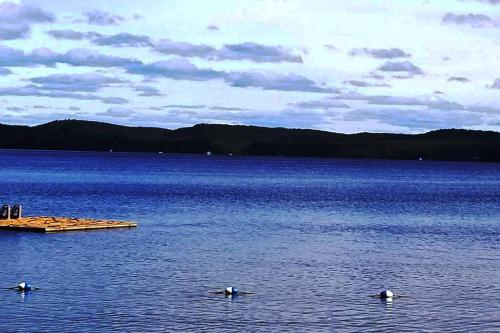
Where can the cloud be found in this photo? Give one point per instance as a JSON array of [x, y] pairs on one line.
[[364, 84], [147, 91], [243, 51], [102, 18], [458, 79], [10, 56], [373, 75], [403, 76], [88, 82], [483, 109], [114, 100], [212, 27], [403, 66], [46, 57], [182, 69], [182, 118], [416, 119], [184, 106], [14, 12], [495, 122], [86, 57], [37, 118], [274, 81], [123, 39], [257, 53], [431, 102], [473, 20], [380, 53], [183, 49], [117, 112], [176, 69], [13, 31], [495, 85], [321, 104], [491, 2], [32, 90], [15, 108], [72, 34], [5, 71], [226, 108], [17, 18], [331, 47]]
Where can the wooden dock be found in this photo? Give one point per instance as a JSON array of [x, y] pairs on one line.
[[58, 224]]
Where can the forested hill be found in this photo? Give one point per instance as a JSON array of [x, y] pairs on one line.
[[449, 144]]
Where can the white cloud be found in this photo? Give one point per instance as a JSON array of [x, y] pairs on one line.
[[298, 63], [16, 19]]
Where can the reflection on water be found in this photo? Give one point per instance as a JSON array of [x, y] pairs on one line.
[[387, 304], [313, 238], [24, 296]]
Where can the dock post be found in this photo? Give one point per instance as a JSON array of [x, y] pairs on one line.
[[16, 211], [5, 212]]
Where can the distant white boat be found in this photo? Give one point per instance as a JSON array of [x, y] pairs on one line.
[[209, 153]]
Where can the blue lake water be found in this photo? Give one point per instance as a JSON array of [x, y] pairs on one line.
[[313, 238]]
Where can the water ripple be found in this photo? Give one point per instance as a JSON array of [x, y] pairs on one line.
[[313, 238]]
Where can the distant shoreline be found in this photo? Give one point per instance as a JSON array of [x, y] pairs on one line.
[[89, 136]]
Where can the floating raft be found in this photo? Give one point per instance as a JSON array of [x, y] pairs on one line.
[[57, 224]]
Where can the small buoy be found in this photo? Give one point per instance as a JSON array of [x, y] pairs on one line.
[[386, 294], [23, 286], [231, 291]]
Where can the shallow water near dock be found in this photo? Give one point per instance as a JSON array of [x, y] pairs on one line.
[[313, 238]]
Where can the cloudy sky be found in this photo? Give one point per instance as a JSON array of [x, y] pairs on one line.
[[339, 65]]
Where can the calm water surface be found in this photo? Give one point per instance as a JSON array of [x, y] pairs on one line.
[[311, 237]]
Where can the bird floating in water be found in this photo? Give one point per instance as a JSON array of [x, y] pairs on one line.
[[232, 291]]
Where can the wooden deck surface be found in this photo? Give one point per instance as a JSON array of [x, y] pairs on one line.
[[56, 224]]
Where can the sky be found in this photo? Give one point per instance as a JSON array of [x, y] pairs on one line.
[[338, 65]]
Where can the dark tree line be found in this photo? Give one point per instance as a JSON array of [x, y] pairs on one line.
[[450, 144]]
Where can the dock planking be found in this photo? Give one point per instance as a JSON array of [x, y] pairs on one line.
[[59, 224]]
